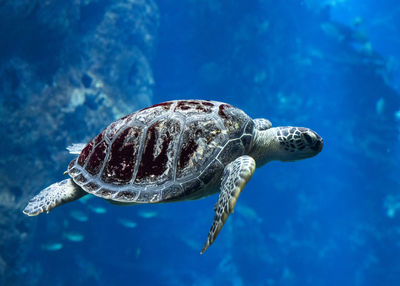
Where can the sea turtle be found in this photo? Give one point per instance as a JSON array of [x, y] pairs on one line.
[[174, 151]]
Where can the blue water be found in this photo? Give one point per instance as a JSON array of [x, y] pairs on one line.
[[67, 70]]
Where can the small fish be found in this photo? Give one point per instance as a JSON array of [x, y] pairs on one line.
[[249, 213], [98, 210], [392, 205], [138, 252], [193, 244], [332, 31], [85, 199], [380, 106], [391, 212], [147, 214], [127, 223], [74, 236], [52, 246], [79, 216], [397, 115], [357, 21]]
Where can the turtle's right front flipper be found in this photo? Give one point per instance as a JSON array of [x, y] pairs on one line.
[[53, 196], [235, 177]]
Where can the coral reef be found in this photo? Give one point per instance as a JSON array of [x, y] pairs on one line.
[[63, 65]]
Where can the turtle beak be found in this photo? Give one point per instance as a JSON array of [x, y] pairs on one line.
[[313, 141], [316, 142]]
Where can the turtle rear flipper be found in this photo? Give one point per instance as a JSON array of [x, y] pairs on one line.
[[53, 196], [76, 148], [235, 177]]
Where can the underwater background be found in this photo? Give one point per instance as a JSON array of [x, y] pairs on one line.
[[69, 68]]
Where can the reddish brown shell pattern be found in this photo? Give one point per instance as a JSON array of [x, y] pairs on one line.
[[170, 151]]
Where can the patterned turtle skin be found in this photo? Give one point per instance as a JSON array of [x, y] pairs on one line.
[[172, 151]]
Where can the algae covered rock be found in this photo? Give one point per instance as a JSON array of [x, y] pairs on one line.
[[71, 61]]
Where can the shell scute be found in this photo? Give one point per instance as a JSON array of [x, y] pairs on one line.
[[114, 128], [172, 192], [122, 156], [165, 105], [147, 115], [188, 188], [99, 138], [194, 106], [188, 149], [199, 141], [148, 196], [212, 172], [105, 193], [156, 163], [92, 187], [232, 149], [72, 171], [81, 179], [85, 153], [233, 119], [126, 195], [97, 158]]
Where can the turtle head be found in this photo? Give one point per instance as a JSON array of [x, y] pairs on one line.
[[286, 144], [296, 143]]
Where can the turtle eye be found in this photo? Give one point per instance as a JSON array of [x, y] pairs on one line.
[[308, 138]]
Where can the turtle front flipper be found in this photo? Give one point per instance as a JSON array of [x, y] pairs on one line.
[[53, 196], [235, 177]]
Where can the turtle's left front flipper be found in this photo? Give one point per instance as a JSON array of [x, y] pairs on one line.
[[235, 177]]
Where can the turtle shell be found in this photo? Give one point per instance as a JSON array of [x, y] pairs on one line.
[[170, 151]]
